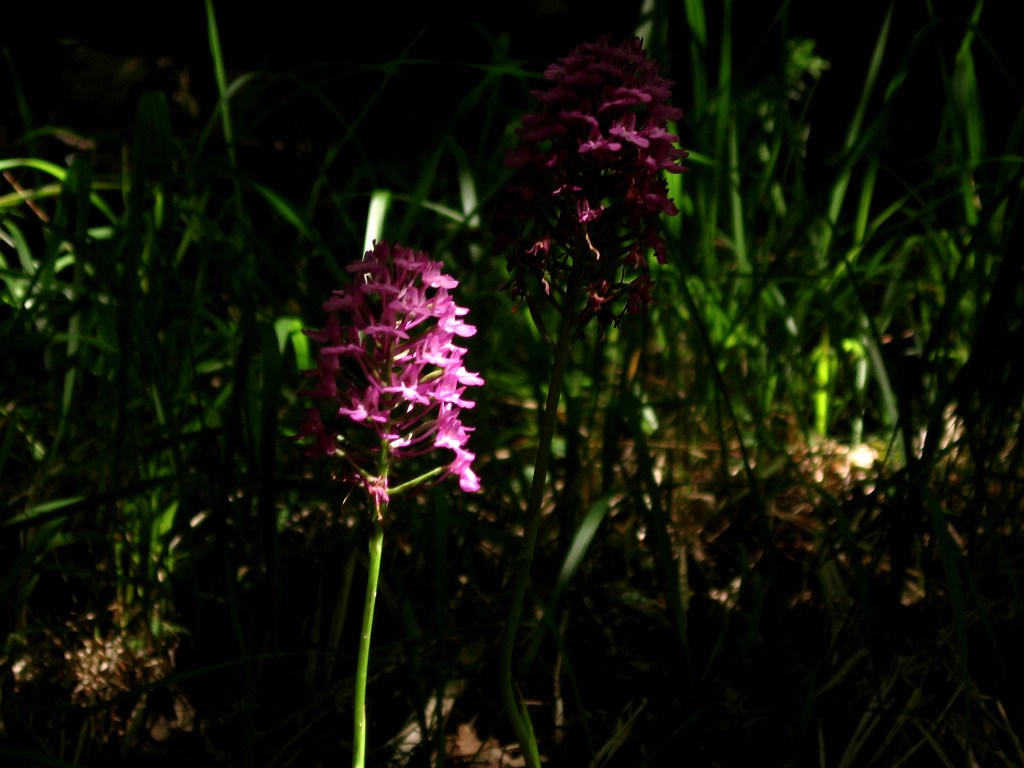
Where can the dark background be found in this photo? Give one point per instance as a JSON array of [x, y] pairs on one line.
[[85, 64]]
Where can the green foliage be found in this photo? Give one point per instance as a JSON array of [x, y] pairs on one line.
[[786, 504]]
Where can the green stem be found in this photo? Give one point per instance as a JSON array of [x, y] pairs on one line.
[[402, 487], [363, 662], [520, 720]]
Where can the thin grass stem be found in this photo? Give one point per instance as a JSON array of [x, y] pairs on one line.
[[222, 81]]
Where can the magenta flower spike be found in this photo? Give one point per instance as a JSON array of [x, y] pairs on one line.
[[589, 185], [389, 372]]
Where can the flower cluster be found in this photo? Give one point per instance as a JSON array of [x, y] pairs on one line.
[[390, 365], [589, 184]]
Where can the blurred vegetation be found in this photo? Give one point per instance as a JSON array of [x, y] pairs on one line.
[[786, 507]]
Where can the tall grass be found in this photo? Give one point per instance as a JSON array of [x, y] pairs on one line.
[[785, 506], [820, 318]]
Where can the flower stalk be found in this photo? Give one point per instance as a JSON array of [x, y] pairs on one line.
[[576, 224], [390, 382]]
